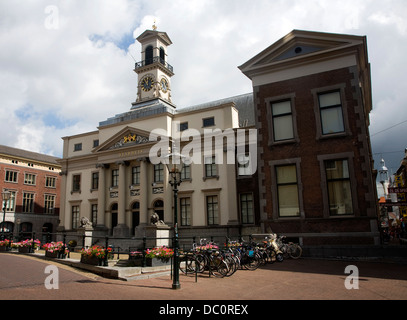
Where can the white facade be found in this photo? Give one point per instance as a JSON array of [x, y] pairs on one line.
[[109, 177]]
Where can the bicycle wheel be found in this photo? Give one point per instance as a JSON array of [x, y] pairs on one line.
[[279, 257], [252, 263], [295, 251], [232, 265], [188, 265], [200, 262], [218, 267]]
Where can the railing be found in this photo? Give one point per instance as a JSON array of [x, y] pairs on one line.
[[153, 60]]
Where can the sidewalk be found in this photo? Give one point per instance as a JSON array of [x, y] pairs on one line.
[[111, 271]]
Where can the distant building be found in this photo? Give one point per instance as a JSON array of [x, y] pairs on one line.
[[34, 182], [312, 94]]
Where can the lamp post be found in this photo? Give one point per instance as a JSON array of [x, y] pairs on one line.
[[175, 163], [6, 195]]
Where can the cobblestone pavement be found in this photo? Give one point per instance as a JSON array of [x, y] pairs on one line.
[[24, 277]]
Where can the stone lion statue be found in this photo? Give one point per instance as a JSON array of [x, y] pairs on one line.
[[155, 219], [85, 222]]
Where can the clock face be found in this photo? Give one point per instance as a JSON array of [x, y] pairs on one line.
[[164, 85], [147, 83]]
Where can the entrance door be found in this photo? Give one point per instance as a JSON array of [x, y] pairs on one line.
[[135, 217]]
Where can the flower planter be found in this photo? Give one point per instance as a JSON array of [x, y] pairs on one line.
[[92, 260], [150, 262], [155, 262], [53, 254], [24, 249], [3, 249]]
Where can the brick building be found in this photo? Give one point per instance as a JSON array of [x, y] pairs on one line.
[[312, 96], [34, 182]]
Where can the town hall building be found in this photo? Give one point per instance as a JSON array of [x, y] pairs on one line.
[[109, 177]]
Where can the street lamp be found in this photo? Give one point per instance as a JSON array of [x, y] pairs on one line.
[[175, 163], [6, 195]]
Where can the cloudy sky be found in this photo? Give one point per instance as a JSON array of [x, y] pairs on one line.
[[66, 65]]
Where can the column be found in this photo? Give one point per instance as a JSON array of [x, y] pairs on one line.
[[144, 189], [122, 230], [101, 219]]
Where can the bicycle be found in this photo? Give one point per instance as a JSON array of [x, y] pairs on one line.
[[205, 258], [290, 249]]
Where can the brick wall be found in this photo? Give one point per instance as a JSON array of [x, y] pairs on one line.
[[308, 146]]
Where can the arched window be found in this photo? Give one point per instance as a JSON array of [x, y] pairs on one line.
[[159, 208], [8, 226], [162, 55], [149, 55]]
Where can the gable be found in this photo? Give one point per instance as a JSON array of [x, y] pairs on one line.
[[298, 47], [128, 137], [152, 34]]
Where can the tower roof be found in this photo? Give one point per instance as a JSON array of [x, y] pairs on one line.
[[151, 34]]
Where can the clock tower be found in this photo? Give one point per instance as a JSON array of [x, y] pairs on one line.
[[154, 72]]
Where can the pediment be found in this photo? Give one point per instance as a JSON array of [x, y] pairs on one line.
[[300, 45], [151, 34], [128, 137]]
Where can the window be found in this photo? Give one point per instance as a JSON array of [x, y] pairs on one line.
[[186, 172], [212, 210], [339, 187], [287, 191], [183, 126], [211, 169], [185, 204], [135, 175], [162, 55], [28, 202], [50, 182], [75, 217], [94, 213], [95, 143], [282, 121], [95, 180], [10, 205], [76, 183], [331, 112], [11, 176], [246, 208], [77, 147], [115, 177], [159, 172], [149, 55], [244, 168], [49, 204], [29, 178], [208, 122]]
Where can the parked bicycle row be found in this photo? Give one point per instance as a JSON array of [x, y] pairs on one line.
[[209, 257]]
